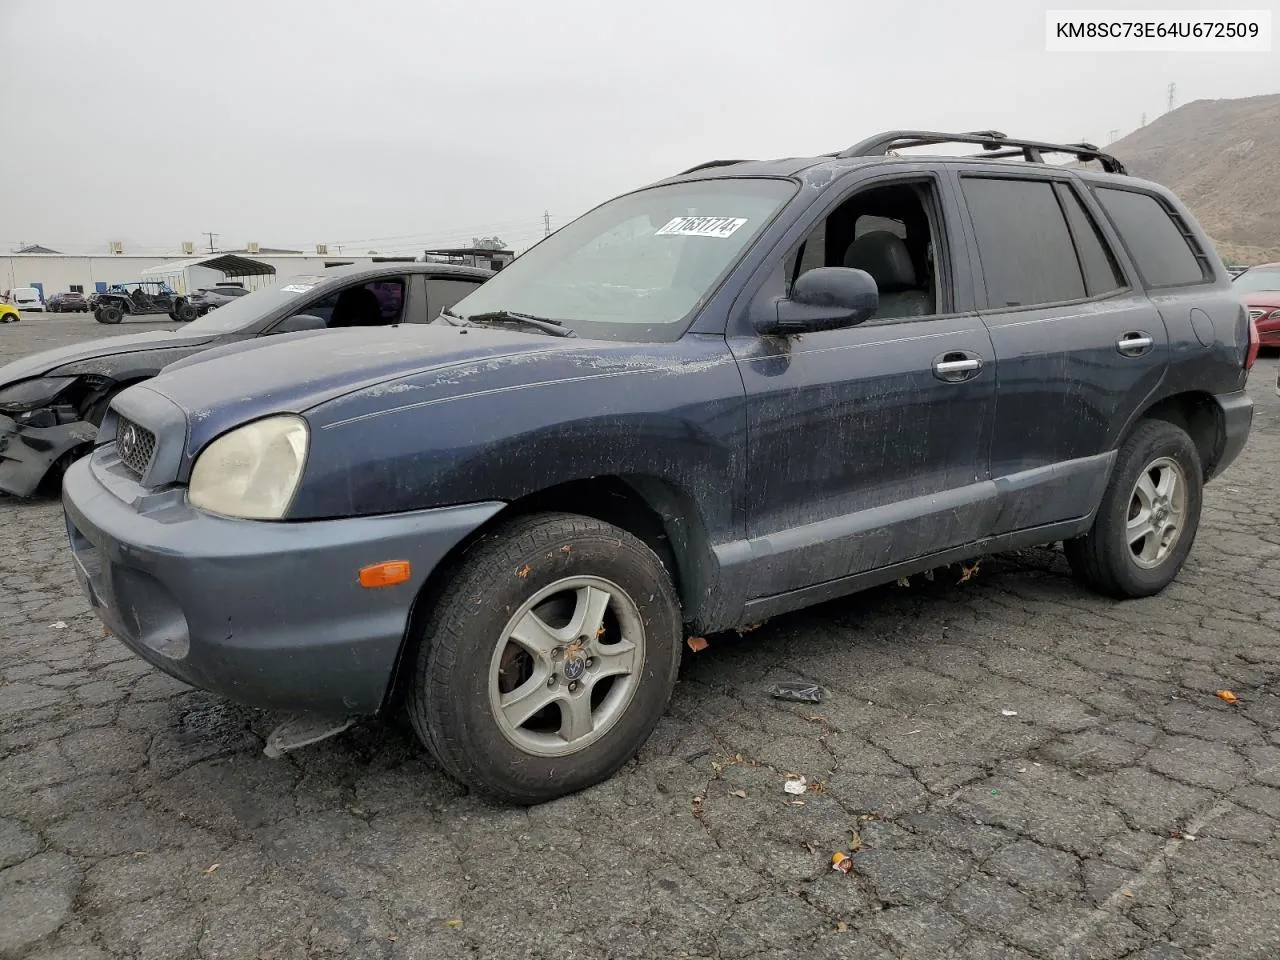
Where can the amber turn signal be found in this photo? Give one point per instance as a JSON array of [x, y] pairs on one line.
[[386, 574]]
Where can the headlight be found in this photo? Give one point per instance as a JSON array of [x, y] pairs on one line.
[[30, 394], [253, 471]]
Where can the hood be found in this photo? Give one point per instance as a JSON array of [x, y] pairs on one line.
[[46, 361], [295, 372]]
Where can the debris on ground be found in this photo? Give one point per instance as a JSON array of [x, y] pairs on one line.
[[697, 644], [841, 862], [523, 571], [59, 625], [798, 692], [749, 628], [1226, 695], [1178, 835], [795, 785], [212, 869], [697, 805], [741, 794], [904, 581], [1008, 713], [968, 572], [453, 923]]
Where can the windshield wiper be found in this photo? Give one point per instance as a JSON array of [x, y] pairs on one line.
[[554, 327]]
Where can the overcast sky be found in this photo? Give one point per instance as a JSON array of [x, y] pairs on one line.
[[394, 124]]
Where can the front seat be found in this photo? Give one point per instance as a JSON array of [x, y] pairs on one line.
[[886, 258], [356, 307]]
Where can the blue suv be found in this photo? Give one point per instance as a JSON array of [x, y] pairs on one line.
[[743, 390]]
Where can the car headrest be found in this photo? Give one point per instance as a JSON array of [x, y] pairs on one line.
[[885, 257], [356, 307]]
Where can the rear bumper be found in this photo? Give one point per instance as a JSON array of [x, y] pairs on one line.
[[1237, 418], [270, 614]]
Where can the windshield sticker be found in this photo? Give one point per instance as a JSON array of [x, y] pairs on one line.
[[719, 227], [297, 287]]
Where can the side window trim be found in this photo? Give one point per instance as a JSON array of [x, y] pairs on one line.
[[1193, 243]]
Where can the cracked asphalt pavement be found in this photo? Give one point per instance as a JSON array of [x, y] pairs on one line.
[[1017, 768]]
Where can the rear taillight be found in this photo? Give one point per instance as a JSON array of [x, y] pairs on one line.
[[1255, 343]]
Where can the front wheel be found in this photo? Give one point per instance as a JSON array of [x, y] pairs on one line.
[[109, 314], [1148, 518], [548, 658]]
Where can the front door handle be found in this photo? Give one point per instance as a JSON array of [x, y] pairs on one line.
[[1134, 344], [957, 366]]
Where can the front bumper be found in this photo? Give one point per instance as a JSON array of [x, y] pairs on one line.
[[269, 614], [27, 453], [1237, 418]]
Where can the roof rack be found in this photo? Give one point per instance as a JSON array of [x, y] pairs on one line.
[[995, 144], [711, 163]]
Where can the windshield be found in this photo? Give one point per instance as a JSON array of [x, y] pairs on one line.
[[1258, 279], [243, 311], [638, 266]]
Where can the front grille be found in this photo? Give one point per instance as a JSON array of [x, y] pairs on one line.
[[135, 445], [1256, 314]]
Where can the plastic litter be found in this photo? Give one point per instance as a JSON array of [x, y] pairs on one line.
[[796, 786], [1008, 713], [59, 625], [1225, 695], [798, 692], [302, 730], [840, 862]]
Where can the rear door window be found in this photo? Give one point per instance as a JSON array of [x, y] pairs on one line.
[[1162, 249], [1023, 242], [444, 292], [1101, 273]]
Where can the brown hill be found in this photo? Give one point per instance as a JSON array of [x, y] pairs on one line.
[[1222, 157]]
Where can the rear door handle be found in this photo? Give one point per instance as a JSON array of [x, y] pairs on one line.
[[957, 366], [1134, 344]]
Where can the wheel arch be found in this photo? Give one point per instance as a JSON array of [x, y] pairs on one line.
[[650, 508], [1199, 415]]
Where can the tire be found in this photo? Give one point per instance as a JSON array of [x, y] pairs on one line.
[[1105, 558], [465, 657], [109, 314], [184, 312]]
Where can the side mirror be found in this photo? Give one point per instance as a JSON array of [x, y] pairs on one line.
[[824, 298], [299, 322]]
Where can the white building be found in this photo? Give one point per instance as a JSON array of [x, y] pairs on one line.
[[60, 273]]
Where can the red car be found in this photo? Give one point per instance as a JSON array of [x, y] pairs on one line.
[[1259, 287]]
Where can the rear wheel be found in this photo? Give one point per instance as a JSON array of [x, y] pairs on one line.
[[548, 659], [1149, 515], [110, 313]]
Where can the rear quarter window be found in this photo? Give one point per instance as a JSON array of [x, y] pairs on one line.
[[1161, 247]]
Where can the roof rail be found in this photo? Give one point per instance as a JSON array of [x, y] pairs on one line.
[[711, 163], [994, 143]]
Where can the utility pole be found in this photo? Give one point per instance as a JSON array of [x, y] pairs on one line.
[[211, 237], [1144, 119], [1172, 89], [546, 223], [1111, 137]]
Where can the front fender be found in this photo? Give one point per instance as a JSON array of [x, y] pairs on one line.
[[27, 453]]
